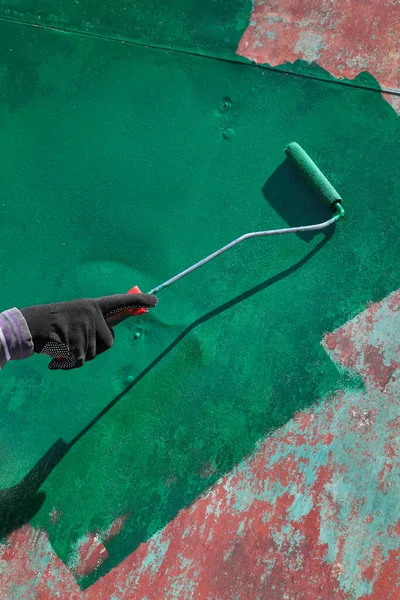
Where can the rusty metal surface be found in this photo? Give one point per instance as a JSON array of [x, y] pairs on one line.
[[313, 514], [345, 37]]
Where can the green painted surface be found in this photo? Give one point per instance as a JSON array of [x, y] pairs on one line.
[[210, 27], [207, 26], [122, 165]]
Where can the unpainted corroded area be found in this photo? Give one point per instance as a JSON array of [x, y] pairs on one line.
[[313, 514], [345, 37]]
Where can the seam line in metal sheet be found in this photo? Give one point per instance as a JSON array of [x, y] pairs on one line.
[[110, 38]]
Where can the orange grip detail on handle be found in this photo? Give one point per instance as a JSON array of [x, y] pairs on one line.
[[138, 311], [113, 320]]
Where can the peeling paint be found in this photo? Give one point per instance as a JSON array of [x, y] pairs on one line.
[[318, 500], [314, 513], [29, 568], [88, 555], [90, 551], [345, 37]]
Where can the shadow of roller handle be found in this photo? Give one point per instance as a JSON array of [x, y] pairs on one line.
[[113, 320], [312, 175]]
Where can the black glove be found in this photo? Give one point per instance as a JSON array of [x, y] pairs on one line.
[[77, 331]]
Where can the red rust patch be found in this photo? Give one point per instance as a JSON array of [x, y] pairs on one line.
[[345, 37], [115, 528], [361, 344], [26, 554], [55, 515], [90, 554], [294, 520], [386, 584]]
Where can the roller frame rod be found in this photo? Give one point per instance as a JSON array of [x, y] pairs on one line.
[[339, 214]]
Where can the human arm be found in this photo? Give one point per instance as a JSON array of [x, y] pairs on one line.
[[70, 332]]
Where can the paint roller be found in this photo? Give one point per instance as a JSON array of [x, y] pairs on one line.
[[312, 175]]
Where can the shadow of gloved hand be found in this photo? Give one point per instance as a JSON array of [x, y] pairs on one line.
[[74, 332]]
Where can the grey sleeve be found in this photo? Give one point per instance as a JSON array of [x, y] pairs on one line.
[[15, 337]]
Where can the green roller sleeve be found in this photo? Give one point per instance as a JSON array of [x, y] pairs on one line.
[[313, 175]]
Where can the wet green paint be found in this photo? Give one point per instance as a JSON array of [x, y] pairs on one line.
[[205, 27], [116, 171]]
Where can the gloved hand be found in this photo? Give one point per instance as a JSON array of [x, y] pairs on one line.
[[77, 331]]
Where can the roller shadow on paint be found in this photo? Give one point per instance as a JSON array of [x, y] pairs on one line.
[[21, 502], [295, 201]]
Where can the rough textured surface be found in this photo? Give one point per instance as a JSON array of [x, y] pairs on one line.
[[345, 37], [117, 194], [313, 514], [120, 166]]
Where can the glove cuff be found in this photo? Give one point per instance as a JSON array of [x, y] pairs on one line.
[[15, 336]]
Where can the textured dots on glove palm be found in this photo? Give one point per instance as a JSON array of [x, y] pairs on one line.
[[61, 354]]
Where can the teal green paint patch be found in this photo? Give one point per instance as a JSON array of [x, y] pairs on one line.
[[112, 176], [155, 556], [301, 507]]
